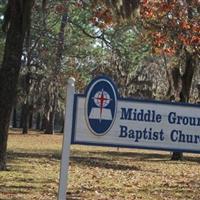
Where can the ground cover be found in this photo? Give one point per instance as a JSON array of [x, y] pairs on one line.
[[95, 172]]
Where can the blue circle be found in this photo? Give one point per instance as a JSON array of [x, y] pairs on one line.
[[100, 117]]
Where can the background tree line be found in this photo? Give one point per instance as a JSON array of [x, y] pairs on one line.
[[149, 48]]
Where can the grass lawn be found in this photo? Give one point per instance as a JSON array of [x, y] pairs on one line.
[[95, 172]]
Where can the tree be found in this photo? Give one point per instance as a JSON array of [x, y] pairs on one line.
[[174, 26], [16, 23]]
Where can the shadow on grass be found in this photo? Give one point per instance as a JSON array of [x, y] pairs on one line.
[[138, 156], [20, 187], [134, 155], [105, 163], [103, 159], [74, 195], [35, 155], [14, 189], [85, 160]]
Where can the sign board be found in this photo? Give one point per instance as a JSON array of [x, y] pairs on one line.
[[102, 118]]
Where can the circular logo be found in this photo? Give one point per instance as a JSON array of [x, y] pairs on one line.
[[101, 104]]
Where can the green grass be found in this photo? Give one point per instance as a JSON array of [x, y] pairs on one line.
[[95, 172]]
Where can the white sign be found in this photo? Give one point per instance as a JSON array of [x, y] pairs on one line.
[[102, 118]]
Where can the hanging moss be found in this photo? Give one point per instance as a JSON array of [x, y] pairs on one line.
[[121, 9]]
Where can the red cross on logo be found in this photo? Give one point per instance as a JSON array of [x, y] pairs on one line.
[[102, 100]]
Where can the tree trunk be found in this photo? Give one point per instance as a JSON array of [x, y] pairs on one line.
[[21, 117], [25, 117], [14, 118], [63, 124], [30, 120], [38, 120], [177, 156], [44, 121], [56, 71], [186, 81], [15, 25], [50, 123], [187, 77]]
